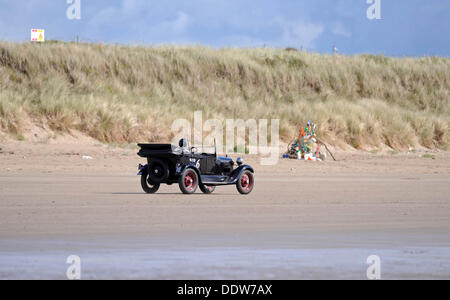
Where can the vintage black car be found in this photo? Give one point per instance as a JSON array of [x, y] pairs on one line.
[[169, 164]]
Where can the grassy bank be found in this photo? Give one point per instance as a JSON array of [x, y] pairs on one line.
[[126, 94]]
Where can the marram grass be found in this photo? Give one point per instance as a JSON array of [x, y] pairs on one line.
[[131, 93]]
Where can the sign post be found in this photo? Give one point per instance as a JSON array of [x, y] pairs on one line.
[[38, 35]]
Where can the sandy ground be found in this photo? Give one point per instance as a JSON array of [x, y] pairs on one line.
[[304, 220]]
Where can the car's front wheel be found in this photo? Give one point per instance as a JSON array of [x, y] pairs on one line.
[[188, 181], [146, 184], [245, 183]]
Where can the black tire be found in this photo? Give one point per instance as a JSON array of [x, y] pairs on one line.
[[146, 184], [158, 170], [207, 189], [188, 181], [246, 183]]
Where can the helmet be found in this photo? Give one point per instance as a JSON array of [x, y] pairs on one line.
[[183, 143]]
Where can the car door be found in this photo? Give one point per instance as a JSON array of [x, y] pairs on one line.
[[204, 162]]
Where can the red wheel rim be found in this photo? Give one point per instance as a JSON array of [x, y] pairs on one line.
[[210, 187], [247, 182], [190, 181]]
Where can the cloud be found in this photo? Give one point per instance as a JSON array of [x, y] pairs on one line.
[[135, 21], [339, 29], [180, 24], [299, 33], [236, 40], [170, 30], [133, 6]]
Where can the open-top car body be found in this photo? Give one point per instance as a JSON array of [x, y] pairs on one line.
[[182, 165]]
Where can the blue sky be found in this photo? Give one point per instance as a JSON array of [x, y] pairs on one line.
[[407, 27]]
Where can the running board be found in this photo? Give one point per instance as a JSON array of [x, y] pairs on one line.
[[216, 180]]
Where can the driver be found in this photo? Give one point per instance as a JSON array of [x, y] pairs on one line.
[[183, 144]]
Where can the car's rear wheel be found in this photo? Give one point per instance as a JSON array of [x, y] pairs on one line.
[[188, 181], [207, 189], [147, 185], [245, 183]]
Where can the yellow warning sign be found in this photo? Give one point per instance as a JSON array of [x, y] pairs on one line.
[[37, 35]]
